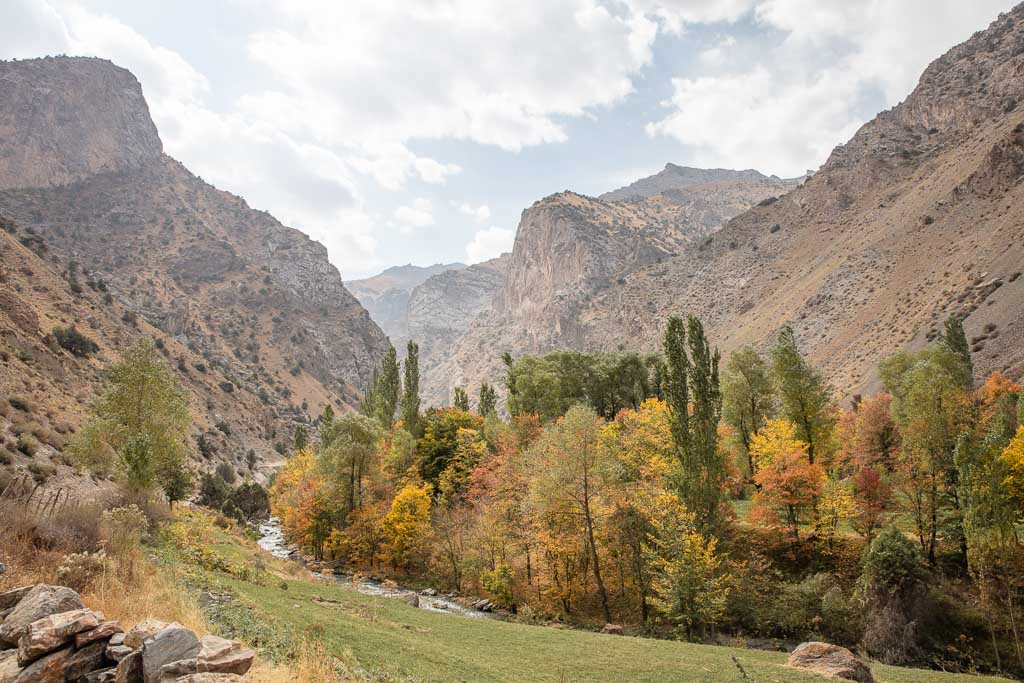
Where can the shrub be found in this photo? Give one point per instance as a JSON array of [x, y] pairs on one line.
[[213, 491], [123, 528], [28, 444], [227, 473], [77, 570], [252, 500], [41, 472], [20, 403], [74, 341]]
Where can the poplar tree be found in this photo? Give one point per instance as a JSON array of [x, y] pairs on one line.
[[805, 396], [411, 390], [488, 400], [388, 389], [460, 399], [747, 397]]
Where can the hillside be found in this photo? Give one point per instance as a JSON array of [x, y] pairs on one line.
[[570, 247], [250, 312], [385, 296], [917, 217]]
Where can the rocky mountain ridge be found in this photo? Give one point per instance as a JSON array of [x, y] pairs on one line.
[[919, 216], [251, 313]]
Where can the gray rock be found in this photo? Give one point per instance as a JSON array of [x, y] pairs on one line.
[[41, 601], [101, 676], [142, 630], [830, 660], [49, 669], [52, 632], [412, 599], [171, 644], [129, 669], [612, 629], [116, 653], [8, 599], [209, 678], [105, 630], [83, 661]]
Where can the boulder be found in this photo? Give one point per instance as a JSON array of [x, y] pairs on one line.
[[49, 669], [41, 601], [830, 660], [116, 649], [9, 599], [142, 630], [101, 676], [216, 655], [129, 669], [412, 599], [429, 592], [52, 632], [105, 630], [171, 644], [612, 629], [9, 668], [209, 678], [83, 661]]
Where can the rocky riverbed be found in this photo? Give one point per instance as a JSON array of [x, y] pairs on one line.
[[273, 541]]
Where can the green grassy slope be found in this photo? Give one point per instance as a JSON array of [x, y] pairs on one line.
[[394, 641]]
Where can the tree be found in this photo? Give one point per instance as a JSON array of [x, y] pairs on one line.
[[868, 435], [510, 383], [437, 446], [411, 390], [747, 397], [327, 427], [460, 399], [296, 499], [789, 486], [488, 400], [571, 471], [701, 471], [301, 438], [955, 339], [805, 396], [346, 462], [406, 526], [400, 458], [387, 390], [139, 426], [932, 408], [213, 491], [689, 586]]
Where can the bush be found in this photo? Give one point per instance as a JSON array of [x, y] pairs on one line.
[[213, 491], [252, 501], [74, 341], [123, 528], [20, 403], [28, 444], [227, 473], [77, 570], [41, 472]]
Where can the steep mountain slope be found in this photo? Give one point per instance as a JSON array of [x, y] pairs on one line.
[[569, 248], [919, 216], [386, 296], [442, 308], [264, 329]]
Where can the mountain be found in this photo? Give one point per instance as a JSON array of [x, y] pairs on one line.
[[569, 248], [918, 217], [386, 296], [250, 312]]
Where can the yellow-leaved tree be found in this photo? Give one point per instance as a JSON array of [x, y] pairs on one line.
[[406, 526], [1013, 456]]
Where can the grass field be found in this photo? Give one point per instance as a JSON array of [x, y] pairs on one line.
[[385, 639]]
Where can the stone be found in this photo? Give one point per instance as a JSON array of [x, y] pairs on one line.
[[83, 661], [105, 630], [142, 630], [116, 653], [129, 669], [412, 599], [41, 601], [209, 678], [9, 668], [170, 644], [49, 669], [830, 660], [429, 592], [8, 599], [612, 629], [52, 632], [101, 676]]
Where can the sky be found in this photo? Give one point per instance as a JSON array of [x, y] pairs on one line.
[[417, 131]]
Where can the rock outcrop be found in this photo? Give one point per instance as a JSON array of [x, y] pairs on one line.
[[104, 231], [830, 660], [77, 644], [62, 120]]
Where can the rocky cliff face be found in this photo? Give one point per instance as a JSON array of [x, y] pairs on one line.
[[919, 216], [442, 308], [386, 296], [252, 314], [570, 248], [63, 119]]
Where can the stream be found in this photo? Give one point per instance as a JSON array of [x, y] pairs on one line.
[[273, 541]]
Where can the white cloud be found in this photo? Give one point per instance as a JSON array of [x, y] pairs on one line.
[[489, 243], [419, 215], [478, 213], [786, 112]]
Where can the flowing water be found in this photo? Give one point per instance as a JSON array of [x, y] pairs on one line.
[[272, 540]]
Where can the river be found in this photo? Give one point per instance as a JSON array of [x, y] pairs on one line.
[[273, 541]]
